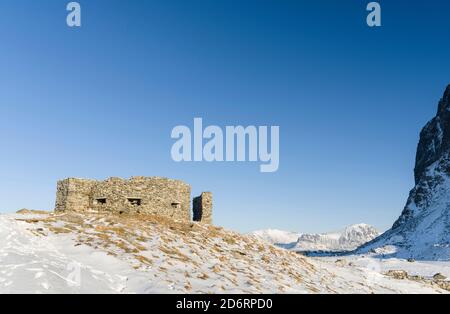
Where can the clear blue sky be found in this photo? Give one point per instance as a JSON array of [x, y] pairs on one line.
[[102, 100]]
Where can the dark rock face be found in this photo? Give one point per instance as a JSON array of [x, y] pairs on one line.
[[433, 149], [423, 229], [434, 138]]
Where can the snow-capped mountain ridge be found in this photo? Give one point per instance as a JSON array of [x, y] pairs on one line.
[[348, 239], [356, 235], [275, 236]]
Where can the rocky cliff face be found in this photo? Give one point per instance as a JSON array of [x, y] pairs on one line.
[[423, 229]]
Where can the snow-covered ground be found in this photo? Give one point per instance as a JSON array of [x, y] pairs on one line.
[[425, 269], [110, 254], [375, 268], [30, 263]]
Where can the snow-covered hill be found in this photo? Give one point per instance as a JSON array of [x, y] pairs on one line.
[[346, 240], [423, 229], [94, 253]]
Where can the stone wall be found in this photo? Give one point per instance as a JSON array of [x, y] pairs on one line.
[[202, 208], [170, 198], [147, 195], [74, 195]]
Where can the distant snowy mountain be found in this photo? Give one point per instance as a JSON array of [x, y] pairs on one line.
[[317, 242], [348, 239], [275, 236], [357, 235], [423, 229]]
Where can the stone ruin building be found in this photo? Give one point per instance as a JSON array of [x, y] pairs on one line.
[[146, 195]]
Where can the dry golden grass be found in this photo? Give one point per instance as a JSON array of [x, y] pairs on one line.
[[37, 232], [25, 211], [188, 286], [58, 230], [216, 269], [203, 276], [144, 260], [125, 247], [30, 221], [176, 254]]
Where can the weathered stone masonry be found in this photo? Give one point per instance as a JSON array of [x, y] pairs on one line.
[[146, 195]]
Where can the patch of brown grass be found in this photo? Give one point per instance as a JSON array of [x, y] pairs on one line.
[[37, 233], [216, 269], [144, 260], [30, 221], [188, 286], [175, 253], [125, 247], [203, 276], [58, 230], [25, 211]]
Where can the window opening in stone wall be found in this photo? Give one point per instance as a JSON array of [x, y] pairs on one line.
[[135, 201], [101, 201], [176, 205]]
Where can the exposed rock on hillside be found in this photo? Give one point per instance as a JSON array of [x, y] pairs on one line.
[[423, 229]]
